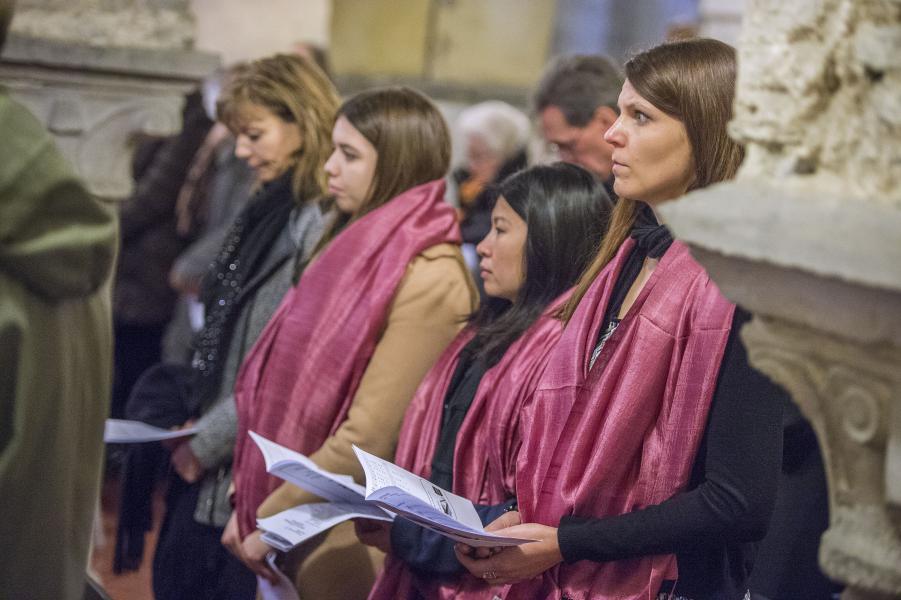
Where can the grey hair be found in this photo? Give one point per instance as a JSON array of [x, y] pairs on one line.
[[503, 128], [578, 85]]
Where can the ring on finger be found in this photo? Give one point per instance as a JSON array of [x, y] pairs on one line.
[[489, 575]]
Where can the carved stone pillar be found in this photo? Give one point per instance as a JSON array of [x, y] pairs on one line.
[[96, 72], [808, 238]]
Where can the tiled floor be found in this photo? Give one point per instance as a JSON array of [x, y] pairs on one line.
[[127, 586]]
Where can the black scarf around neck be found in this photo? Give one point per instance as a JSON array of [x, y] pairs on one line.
[[243, 253], [652, 239]]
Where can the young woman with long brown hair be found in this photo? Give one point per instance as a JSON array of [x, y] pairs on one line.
[[384, 293], [651, 449]]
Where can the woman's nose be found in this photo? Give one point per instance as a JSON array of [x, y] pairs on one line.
[[613, 135], [242, 149], [331, 165], [483, 249]]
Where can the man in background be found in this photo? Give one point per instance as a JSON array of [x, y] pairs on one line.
[[57, 249], [575, 102]]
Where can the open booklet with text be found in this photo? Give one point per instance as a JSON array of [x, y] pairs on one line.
[[389, 490]]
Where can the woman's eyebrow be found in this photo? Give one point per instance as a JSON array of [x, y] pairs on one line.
[[634, 105]]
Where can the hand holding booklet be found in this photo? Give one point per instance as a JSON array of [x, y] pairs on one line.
[[388, 487]]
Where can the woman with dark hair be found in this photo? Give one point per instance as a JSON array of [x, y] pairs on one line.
[[461, 430], [651, 449], [383, 295]]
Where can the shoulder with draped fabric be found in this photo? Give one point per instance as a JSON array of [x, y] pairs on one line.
[[428, 310], [432, 301]]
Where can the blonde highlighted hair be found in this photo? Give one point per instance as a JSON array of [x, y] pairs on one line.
[[297, 91], [694, 82]]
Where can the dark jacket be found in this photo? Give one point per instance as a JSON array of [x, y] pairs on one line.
[[149, 239]]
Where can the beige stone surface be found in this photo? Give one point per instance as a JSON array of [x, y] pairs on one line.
[[380, 37], [818, 95], [499, 46], [123, 23], [244, 30], [504, 42]]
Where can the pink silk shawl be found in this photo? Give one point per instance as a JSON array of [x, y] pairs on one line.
[[623, 435], [297, 383], [486, 446]]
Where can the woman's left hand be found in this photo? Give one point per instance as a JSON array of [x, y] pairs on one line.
[[517, 563], [254, 551]]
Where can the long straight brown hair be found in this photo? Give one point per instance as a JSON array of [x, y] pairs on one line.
[[692, 81], [411, 140]]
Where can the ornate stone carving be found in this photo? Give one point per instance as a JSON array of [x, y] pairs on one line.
[[846, 390]]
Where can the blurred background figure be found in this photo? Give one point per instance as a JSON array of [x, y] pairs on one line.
[[57, 248], [143, 301], [495, 136], [575, 103]]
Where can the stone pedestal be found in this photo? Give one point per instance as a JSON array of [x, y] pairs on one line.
[[97, 72], [808, 238]]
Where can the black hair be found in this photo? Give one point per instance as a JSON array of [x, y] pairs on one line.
[[566, 210]]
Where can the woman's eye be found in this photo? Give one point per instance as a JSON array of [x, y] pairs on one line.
[[641, 117]]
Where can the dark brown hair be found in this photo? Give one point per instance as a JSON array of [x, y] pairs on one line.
[[694, 82], [411, 140], [408, 133], [297, 91]]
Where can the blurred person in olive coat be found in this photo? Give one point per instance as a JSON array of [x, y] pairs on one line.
[[57, 248]]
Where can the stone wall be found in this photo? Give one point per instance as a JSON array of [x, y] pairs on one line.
[[97, 72]]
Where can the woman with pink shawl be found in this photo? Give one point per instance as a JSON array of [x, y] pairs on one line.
[[461, 430], [651, 450], [383, 295]]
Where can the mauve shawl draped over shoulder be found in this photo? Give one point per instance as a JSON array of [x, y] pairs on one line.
[[297, 383], [623, 435], [486, 445]]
